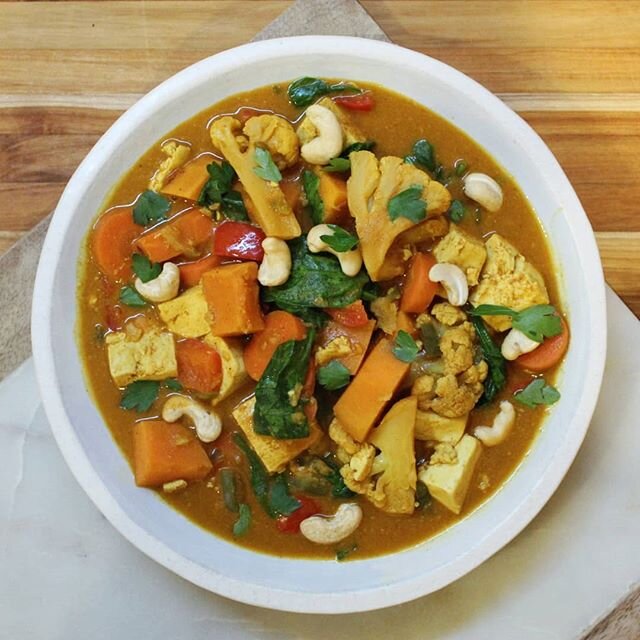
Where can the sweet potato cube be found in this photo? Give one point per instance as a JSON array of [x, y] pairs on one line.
[[164, 452], [233, 296], [359, 338], [189, 180]]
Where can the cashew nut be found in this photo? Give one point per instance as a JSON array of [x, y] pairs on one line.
[[501, 427], [484, 190], [331, 529], [328, 143], [164, 287], [453, 280], [276, 264], [207, 422], [516, 343], [350, 261]]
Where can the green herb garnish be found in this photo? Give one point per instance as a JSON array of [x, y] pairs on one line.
[[311, 186], [258, 475], [172, 384], [130, 297], [337, 165], [242, 524], [422, 154], [228, 480], [281, 503], [150, 207], [461, 168], [538, 322], [344, 552], [497, 375], [537, 393], [266, 167], [456, 211], [408, 204], [303, 91], [144, 268], [405, 347], [217, 191], [333, 375], [140, 395], [341, 240], [367, 145], [430, 340]]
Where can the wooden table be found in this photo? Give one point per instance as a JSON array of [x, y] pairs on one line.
[[571, 69]]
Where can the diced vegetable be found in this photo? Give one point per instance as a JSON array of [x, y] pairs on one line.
[[184, 234], [238, 240], [418, 291], [191, 272], [354, 315], [279, 327], [189, 180], [199, 366], [361, 102], [333, 191], [548, 354], [232, 293], [359, 337], [365, 398], [164, 452], [229, 482], [112, 243]]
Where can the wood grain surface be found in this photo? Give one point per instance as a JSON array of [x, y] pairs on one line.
[[571, 69]]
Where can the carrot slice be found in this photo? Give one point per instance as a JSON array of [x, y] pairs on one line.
[[188, 181], [353, 315], [418, 290], [112, 242], [280, 326], [164, 451], [183, 234], [359, 337], [548, 354], [191, 272], [199, 366]]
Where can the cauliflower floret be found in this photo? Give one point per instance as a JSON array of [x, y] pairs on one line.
[[444, 453], [361, 462], [357, 457], [424, 385], [463, 250], [385, 310], [454, 398], [277, 135], [369, 189], [447, 314], [338, 348], [177, 155], [456, 345], [508, 280]]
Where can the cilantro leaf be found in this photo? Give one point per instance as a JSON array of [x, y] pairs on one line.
[[333, 375], [217, 190], [140, 395], [130, 297], [456, 211], [303, 91], [144, 268], [367, 145], [266, 168], [341, 240], [311, 186], [422, 154], [405, 347], [338, 165], [172, 384], [281, 503], [150, 207], [408, 204], [537, 393], [242, 524], [497, 377], [537, 322], [344, 552]]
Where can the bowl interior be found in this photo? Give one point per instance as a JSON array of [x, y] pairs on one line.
[[164, 534]]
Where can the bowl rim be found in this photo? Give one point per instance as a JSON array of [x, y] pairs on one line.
[[266, 596]]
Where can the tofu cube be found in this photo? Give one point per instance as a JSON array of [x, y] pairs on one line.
[[433, 427], [274, 453], [188, 314], [449, 483], [152, 356], [463, 250]]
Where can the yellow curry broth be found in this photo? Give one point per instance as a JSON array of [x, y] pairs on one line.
[[395, 124]]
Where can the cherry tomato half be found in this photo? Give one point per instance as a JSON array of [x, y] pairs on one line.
[[238, 240], [291, 523], [355, 315], [358, 102]]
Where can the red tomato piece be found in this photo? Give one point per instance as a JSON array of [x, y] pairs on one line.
[[238, 240], [291, 523], [358, 102], [355, 315]]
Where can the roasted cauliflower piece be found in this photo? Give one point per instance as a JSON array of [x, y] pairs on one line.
[[369, 189], [385, 309], [457, 346], [455, 396], [275, 134], [509, 280], [463, 250], [447, 314], [338, 348], [177, 155], [307, 131], [270, 207]]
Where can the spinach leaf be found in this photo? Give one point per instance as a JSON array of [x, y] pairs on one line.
[[303, 91], [337, 165], [217, 190], [341, 240], [367, 145], [150, 207], [537, 393], [257, 472], [497, 377], [311, 186], [422, 154], [130, 297], [281, 503], [242, 524], [338, 488], [140, 395], [266, 168], [456, 211], [537, 322], [344, 552], [144, 268], [408, 204], [316, 281], [279, 408], [333, 375], [430, 340], [405, 347]]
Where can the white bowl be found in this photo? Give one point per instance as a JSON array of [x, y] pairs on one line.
[[167, 536]]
